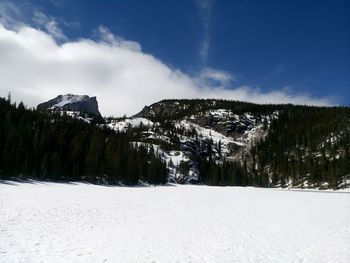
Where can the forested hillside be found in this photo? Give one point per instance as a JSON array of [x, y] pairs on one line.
[[307, 146], [54, 146]]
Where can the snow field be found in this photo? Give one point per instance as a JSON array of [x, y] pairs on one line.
[[123, 125], [50, 222]]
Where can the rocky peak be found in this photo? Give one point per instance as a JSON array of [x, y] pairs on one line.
[[71, 102]]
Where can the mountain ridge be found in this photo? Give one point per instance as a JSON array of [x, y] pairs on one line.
[[213, 142]]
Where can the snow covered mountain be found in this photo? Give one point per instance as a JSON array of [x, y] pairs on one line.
[[221, 142], [71, 102], [262, 145], [184, 131]]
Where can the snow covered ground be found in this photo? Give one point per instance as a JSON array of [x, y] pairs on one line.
[[48, 222]]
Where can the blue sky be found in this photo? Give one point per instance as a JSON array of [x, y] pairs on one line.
[[295, 47]]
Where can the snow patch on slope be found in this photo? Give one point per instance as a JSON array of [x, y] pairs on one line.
[[209, 134], [69, 98], [123, 125]]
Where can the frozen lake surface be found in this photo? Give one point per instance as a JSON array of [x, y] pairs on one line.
[[50, 222]]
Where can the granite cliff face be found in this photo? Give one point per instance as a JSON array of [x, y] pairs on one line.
[[186, 132], [71, 102]]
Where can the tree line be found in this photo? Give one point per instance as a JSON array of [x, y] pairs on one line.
[[53, 146], [304, 146]]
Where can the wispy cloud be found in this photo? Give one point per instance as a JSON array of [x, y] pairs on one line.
[[49, 24], [205, 8], [10, 14], [213, 77], [58, 3], [14, 16], [107, 36]]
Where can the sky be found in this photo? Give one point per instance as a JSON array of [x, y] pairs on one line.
[[133, 53]]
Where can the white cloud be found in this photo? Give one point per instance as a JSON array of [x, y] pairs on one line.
[[106, 36], [214, 77], [35, 68]]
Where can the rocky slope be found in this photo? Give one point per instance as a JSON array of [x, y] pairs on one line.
[[73, 103], [267, 145]]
